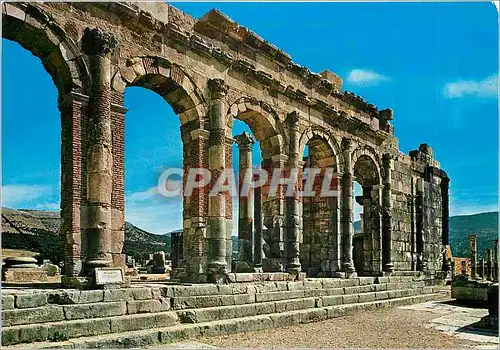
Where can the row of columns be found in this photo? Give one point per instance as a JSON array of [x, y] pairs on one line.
[[483, 268]]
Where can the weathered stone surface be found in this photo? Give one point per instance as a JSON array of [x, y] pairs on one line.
[[142, 306], [7, 302], [398, 188], [32, 315], [80, 311], [30, 300]]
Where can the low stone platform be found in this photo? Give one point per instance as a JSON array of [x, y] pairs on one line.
[[155, 313]]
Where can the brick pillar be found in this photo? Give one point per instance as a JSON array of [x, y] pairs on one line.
[[245, 220], [118, 190], [293, 218], [195, 207], [445, 219], [217, 263], [347, 210], [488, 265], [97, 45], [73, 109], [388, 165], [473, 256]]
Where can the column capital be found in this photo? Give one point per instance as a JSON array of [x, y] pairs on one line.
[[97, 42], [292, 118], [245, 141], [217, 87], [346, 144]]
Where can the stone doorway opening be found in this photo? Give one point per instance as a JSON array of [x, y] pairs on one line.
[[320, 243], [367, 243]]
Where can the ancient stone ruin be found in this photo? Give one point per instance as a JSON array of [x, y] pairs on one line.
[[211, 71]]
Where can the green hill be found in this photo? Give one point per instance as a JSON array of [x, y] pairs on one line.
[[484, 225], [38, 231]]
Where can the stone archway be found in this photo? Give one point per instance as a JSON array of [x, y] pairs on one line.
[[264, 124], [178, 90], [35, 31], [367, 245], [320, 243]]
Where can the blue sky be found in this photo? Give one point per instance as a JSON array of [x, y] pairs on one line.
[[434, 64]]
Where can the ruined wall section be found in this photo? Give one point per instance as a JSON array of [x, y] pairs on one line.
[[418, 212]]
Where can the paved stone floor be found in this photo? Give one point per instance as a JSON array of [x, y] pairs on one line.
[[437, 324]]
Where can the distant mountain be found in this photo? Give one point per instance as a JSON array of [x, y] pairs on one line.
[[484, 225], [38, 231]]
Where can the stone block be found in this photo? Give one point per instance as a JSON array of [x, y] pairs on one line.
[[332, 300], [382, 295], [132, 323], [30, 300], [24, 334], [80, 311], [178, 333], [244, 299], [7, 302], [265, 308], [117, 295], [334, 311], [284, 320], [312, 315], [33, 315], [78, 328], [367, 297], [332, 283], [142, 306], [312, 284], [141, 293], [196, 290], [350, 299], [295, 285], [237, 311]]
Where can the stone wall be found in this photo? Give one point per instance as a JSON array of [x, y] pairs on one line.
[[212, 70]]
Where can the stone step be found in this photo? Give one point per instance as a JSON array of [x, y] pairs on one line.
[[93, 324], [29, 299], [137, 301], [163, 335]]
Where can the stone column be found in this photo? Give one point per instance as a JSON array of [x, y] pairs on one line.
[[217, 264], [388, 165], [245, 220], [97, 45], [347, 211], [473, 256], [293, 218], [445, 216], [488, 265], [257, 242], [480, 269], [495, 261]]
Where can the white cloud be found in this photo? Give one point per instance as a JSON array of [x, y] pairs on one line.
[[480, 88], [364, 78], [22, 195]]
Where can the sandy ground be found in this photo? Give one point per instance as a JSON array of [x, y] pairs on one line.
[[386, 328]]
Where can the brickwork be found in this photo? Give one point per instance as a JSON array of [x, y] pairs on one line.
[[212, 70]]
